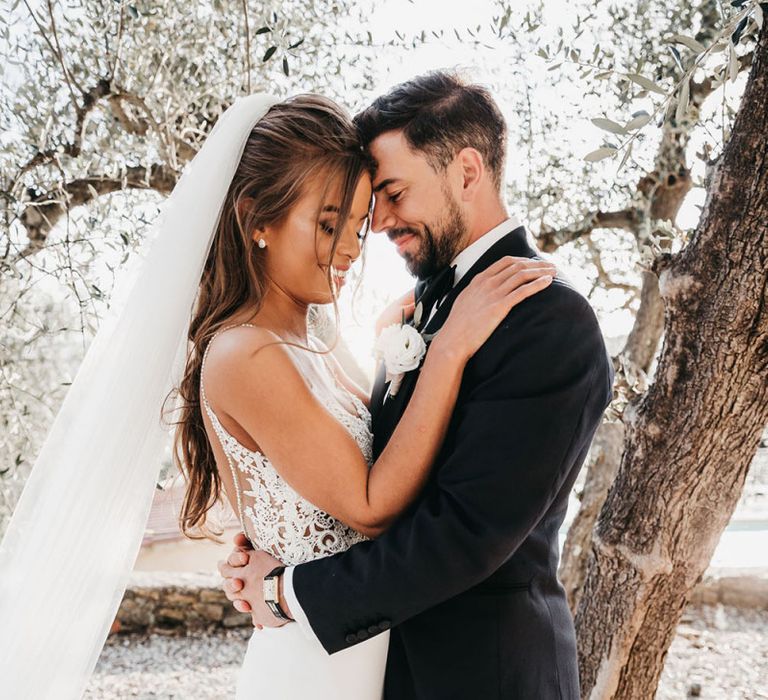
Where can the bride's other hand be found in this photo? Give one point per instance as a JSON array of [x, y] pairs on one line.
[[243, 573], [237, 559], [487, 300], [400, 309]]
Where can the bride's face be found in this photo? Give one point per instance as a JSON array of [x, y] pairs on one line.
[[298, 250]]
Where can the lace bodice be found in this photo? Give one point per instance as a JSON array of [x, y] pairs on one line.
[[283, 522]]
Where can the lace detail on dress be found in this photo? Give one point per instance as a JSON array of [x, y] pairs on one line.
[[283, 522]]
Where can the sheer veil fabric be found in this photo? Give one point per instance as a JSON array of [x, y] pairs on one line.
[[74, 536]]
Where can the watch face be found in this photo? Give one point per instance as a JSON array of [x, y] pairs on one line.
[[270, 589]]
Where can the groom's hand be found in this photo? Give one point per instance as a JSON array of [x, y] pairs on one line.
[[243, 572]]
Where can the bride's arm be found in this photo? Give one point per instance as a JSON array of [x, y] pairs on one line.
[[316, 455]]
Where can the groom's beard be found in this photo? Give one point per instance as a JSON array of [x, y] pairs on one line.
[[438, 244]]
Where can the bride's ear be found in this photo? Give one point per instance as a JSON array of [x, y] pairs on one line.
[[244, 205]]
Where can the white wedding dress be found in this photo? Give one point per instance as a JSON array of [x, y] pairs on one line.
[[282, 663]]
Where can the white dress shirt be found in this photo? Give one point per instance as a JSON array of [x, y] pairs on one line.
[[474, 251], [463, 261]]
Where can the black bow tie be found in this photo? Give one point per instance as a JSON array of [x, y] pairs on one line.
[[431, 290]]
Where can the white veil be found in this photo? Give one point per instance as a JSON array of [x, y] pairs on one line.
[[76, 531]]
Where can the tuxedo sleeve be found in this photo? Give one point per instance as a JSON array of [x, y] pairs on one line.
[[530, 401]]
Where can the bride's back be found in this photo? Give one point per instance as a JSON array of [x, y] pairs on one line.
[[274, 516]]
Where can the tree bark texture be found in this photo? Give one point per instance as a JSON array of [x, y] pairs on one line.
[[608, 444], [690, 440]]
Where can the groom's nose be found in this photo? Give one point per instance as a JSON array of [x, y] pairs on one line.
[[382, 218]]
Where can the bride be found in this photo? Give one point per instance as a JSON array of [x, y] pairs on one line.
[[266, 220]]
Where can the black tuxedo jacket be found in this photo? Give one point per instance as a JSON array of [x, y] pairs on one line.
[[467, 576]]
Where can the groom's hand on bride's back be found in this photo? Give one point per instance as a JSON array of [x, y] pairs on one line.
[[243, 573]]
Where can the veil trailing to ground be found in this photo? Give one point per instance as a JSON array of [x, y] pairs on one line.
[[74, 536]]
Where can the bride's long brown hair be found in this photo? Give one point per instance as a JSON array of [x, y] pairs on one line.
[[303, 137]]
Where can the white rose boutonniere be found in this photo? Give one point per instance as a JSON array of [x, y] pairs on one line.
[[401, 347]]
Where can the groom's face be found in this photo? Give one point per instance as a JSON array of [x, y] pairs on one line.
[[415, 205]]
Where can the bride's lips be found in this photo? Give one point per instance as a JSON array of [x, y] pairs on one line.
[[338, 274]]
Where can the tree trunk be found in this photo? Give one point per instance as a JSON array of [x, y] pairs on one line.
[[690, 440], [608, 443]]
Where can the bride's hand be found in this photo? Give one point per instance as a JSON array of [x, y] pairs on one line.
[[401, 309], [487, 300]]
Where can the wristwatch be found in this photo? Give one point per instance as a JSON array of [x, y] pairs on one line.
[[271, 593]]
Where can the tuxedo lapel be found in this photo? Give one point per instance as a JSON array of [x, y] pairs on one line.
[[377, 394], [387, 410]]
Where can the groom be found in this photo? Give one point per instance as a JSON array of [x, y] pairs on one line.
[[467, 576]]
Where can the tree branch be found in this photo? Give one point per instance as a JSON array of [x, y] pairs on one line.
[[45, 209], [550, 239]]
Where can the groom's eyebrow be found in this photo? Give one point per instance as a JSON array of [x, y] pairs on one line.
[[384, 183]]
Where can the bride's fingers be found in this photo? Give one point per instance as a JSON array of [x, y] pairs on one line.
[[230, 572], [516, 295], [237, 559], [233, 585], [511, 263], [241, 540], [510, 280], [242, 605]]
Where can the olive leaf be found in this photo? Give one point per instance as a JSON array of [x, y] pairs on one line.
[[638, 122], [733, 64], [646, 83], [600, 154], [682, 101], [677, 57], [688, 41], [626, 155], [608, 125]]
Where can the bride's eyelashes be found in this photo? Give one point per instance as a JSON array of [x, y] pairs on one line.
[[330, 230]]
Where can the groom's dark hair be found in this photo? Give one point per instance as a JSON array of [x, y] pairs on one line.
[[440, 113]]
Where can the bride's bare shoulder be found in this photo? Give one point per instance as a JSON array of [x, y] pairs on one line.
[[240, 355]]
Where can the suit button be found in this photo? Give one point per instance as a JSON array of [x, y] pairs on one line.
[[385, 625], [362, 635], [351, 638], [374, 629]]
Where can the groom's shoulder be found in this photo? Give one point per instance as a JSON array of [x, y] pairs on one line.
[[551, 321], [560, 302], [547, 336]]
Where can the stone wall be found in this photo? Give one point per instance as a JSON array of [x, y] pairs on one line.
[[182, 603], [176, 603]]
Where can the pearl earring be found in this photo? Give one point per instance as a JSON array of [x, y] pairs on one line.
[[262, 243]]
